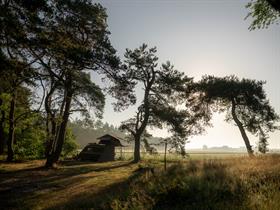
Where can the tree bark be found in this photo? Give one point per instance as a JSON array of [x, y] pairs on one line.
[[50, 142], [62, 129], [50, 121], [60, 133], [136, 149], [141, 129], [11, 134], [241, 129], [2, 136]]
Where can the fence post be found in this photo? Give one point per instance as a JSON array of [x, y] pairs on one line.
[[165, 148]]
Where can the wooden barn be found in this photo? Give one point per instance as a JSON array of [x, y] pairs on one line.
[[102, 151]]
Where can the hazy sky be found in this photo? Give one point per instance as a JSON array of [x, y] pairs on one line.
[[199, 37]]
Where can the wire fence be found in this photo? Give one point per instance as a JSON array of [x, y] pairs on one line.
[[159, 156]]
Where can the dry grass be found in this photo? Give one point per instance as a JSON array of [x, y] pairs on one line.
[[28, 186], [231, 183]]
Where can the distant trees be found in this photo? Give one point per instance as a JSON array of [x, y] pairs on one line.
[[88, 133], [163, 89], [244, 101]]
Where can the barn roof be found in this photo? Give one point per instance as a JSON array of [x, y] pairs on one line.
[[113, 139]]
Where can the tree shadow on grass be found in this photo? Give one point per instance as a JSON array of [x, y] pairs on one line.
[[67, 168], [20, 188], [209, 187], [102, 199]]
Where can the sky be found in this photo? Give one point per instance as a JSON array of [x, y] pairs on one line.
[[199, 37]]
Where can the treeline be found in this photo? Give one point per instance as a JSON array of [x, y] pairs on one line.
[[85, 133], [49, 50]]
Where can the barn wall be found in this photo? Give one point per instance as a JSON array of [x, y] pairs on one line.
[[108, 154]]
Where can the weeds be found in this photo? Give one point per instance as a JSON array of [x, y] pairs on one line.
[[208, 184]]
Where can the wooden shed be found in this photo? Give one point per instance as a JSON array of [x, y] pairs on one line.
[[102, 151]]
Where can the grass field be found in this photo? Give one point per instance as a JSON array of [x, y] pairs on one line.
[[200, 183], [177, 157]]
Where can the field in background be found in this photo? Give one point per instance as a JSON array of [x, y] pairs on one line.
[[191, 183], [128, 155]]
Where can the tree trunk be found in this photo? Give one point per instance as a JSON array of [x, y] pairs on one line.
[[48, 134], [11, 134], [2, 136], [60, 134], [50, 142], [242, 130], [50, 122], [50, 161], [141, 129], [136, 149], [63, 127]]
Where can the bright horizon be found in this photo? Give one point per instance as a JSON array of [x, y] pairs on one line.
[[199, 37]]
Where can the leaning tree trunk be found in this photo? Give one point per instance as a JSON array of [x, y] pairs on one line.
[[242, 130], [11, 134], [136, 158], [61, 133]]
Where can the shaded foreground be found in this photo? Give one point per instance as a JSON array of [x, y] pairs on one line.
[[235, 183]]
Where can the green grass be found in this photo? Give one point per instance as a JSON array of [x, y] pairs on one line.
[[227, 183]]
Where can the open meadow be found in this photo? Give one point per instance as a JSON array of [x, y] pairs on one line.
[[213, 183]]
